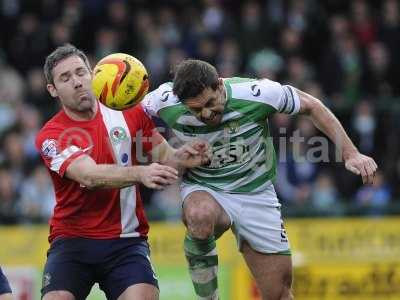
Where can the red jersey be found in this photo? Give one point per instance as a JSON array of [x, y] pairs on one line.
[[111, 137]]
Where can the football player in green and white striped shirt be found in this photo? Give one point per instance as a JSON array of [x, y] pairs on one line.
[[235, 190]]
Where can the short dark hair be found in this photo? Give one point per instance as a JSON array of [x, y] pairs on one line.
[[59, 54], [192, 77]]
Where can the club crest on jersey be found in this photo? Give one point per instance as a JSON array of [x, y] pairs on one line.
[[49, 148], [232, 127], [118, 135], [46, 279]]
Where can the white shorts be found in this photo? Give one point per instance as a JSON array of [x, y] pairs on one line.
[[255, 218]]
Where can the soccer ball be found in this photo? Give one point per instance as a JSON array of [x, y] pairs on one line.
[[120, 81]]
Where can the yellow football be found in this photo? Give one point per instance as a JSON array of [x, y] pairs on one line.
[[120, 81]]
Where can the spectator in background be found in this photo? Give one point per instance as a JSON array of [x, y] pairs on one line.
[[290, 43], [363, 25], [374, 199], [380, 77], [297, 172], [342, 71], [252, 34], [389, 34], [213, 18], [155, 55], [266, 63], [12, 89], [36, 95], [297, 14], [72, 14], [207, 49], [325, 197], [29, 43], [60, 33], [229, 58], [171, 36], [175, 55], [37, 197], [364, 126], [107, 42], [14, 156], [299, 71], [9, 197], [30, 121]]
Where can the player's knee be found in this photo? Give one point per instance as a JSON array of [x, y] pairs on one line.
[[199, 221], [280, 291], [287, 288], [59, 295], [7, 296]]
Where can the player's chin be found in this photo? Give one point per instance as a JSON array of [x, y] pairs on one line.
[[86, 101], [216, 120]]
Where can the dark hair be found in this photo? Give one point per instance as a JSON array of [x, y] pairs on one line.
[[59, 54], [192, 77]]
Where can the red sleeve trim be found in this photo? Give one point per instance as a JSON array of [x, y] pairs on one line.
[[68, 161]]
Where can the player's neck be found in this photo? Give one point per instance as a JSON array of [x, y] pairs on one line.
[[86, 115]]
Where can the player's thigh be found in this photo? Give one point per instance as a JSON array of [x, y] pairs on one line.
[[65, 274], [142, 291], [129, 271], [272, 272], [260, 224], [202, 208]]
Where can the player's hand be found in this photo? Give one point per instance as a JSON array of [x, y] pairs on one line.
[[156, 176], [362, 165], [194, 154]]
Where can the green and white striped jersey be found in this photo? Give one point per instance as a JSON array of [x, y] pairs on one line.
[[243, 154]]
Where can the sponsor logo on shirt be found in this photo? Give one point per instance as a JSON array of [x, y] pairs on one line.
[[49, 148], [46, 280], [232, 127], [118, 135], [124, 158], [255, 90]]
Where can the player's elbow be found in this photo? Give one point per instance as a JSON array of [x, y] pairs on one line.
[[84, 171], [88, 181], [316, 108], [309, 105]]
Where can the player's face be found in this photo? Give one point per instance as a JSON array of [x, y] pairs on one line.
[[72, 84], [208, 106]]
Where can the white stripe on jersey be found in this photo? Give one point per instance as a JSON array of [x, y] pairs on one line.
[[122, 155]]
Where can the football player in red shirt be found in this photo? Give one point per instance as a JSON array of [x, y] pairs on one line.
[[98, 231]]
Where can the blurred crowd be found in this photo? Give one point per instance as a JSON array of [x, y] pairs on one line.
[[342, 52]]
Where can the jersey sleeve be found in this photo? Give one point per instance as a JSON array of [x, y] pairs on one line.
[[158, 99], [283, 98], [57, 150]]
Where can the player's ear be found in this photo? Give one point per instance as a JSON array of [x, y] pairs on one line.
[[220, 83], [52, 90]]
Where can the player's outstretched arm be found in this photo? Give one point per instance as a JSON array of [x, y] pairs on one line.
[[326, 121], [190, 155], [85, 171]]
